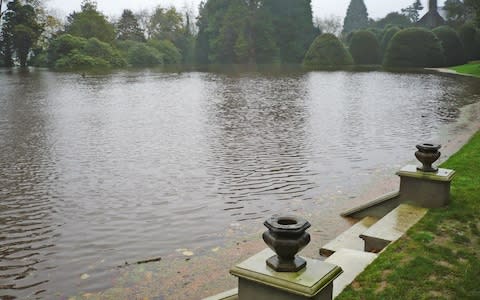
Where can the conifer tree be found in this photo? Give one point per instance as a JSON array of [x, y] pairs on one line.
[[128, 27], [356, 17]]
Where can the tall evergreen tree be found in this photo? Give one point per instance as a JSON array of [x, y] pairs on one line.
[[20, 32], [356, 17], [128, 27], [89, 22]]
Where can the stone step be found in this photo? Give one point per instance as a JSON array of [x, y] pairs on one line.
[[391, 227], [352, 262], [349, 239], [228, 295]]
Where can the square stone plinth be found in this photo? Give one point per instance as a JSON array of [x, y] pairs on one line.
[[430, 190], [260, 282]]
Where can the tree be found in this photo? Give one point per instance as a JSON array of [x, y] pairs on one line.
[[331, 24], [356, 17], [393, 18], [166, 24], [475, 6], [90, 23], [20, 32], [327, 51], [413, 11], [128, 27], [457, 12]]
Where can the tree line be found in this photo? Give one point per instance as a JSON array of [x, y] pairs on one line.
[[224, 32]]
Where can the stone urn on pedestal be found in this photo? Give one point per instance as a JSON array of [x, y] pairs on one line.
[[286, 236], [427, 154]]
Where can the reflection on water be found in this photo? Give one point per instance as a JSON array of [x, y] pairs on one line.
[[105, 169]]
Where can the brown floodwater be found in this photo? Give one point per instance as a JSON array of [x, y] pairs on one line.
[[99, 170]]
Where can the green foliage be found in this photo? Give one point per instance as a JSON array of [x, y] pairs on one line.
[[98, 49], [364, 48], [63, 46], [90, 23], [292, 26], [387, 36], [19, 32], [414, 48], [470, 36], [166, 24], [170, 53], [76, 60], [40, 59], [393, 18], [141, 55], [452, 45], [327, 51], [356, 17], [412, 12], [237, 31], [128, 28]]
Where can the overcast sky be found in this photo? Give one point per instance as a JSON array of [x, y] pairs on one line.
[[321, 8]]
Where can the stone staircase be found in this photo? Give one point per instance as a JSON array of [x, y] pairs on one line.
[[356, 248]]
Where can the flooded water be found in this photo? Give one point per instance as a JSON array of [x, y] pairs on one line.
[[101, 170]]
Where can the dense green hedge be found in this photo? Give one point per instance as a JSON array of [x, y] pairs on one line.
[[452, 46], [387, 37], [364, 48], [142, 55], [414, 48], [99, 49], [470, 36], [171, 55], [78, 60], [327, 51]]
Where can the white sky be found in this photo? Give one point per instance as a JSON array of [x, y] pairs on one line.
[[321, 8]]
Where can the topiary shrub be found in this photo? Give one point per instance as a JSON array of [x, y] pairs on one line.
[[142, 55], [414, 48], [387, 37], [364, 48], [327, 51], [96, 48], [77, 60], [452, 45], [470, 37], [171, 54]]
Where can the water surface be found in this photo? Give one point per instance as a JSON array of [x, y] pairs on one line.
[[104, 169]]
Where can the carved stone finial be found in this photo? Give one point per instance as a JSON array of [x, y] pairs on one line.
[[427, 154], [286, 236]]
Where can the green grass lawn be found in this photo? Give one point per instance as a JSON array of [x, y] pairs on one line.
[[472, 68], [438, 258]]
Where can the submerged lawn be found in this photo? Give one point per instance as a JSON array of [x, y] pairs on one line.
[[472, 68], [439, 258]]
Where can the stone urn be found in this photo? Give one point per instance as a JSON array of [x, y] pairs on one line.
[[427, 154], [286, 235]]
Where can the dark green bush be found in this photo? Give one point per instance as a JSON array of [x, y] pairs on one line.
[[142, 55], [99, 49], [171, 54], [452, 46], [364, 48], [40, 60], [77, 60], [470, 36], [63, 45], [327, 51], [414, 48], [387, 37]]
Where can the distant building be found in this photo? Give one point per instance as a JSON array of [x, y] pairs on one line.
[[432, 18]]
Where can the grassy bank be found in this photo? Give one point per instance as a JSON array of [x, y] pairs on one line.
[[439, 258], [472, 68]]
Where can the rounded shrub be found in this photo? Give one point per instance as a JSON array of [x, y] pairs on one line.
[[470, 37], [171, 54], [142, 55], [452, 45], [77, 60], [414, 48], [63, 45], [387, 37], [327, 51], [364, 48], [96, 48]]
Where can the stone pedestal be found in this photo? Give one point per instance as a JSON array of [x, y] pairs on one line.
[[425, 189], [258, 281]]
